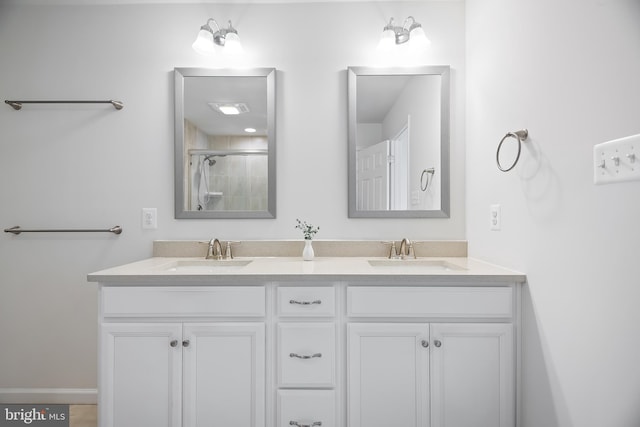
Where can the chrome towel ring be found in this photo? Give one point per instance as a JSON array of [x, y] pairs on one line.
[[430, 172], [520, 136]]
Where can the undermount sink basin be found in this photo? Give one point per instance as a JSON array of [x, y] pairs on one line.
[[206, 265], [417, 263]]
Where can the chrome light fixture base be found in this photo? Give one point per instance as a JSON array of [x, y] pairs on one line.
[[207, 35], [410, 30]]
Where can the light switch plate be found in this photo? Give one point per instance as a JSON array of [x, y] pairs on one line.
[[617, 160]]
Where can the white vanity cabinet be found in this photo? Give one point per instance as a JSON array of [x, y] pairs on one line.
[[160, 365], [339, 348], [455, 368]]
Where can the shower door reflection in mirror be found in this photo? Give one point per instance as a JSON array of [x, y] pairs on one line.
[[399, 142], [225, 143]]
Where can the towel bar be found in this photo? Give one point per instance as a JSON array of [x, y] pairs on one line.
[[17, 105], [17, 230]]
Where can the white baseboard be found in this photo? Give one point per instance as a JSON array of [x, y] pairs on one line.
[[61, 396]]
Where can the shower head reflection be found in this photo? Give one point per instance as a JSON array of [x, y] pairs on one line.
[[210, 159]]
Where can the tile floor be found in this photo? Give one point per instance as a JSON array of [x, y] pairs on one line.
[[83, 416]]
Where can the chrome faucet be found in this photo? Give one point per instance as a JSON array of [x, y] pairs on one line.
[[406, 247], [215, 249]]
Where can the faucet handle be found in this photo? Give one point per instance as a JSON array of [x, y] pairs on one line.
[[393, 252], [412, 249], [227, 252], [202, 242], [415, 243]]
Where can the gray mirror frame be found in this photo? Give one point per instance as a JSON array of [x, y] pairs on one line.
[[441, 70], [179, 76]]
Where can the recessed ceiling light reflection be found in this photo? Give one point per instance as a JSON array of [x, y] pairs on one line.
[[229, 108]]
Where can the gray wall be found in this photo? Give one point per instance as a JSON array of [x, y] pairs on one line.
[[92, 166], [568, 71]]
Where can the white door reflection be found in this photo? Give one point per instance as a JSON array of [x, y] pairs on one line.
[[383, 180]]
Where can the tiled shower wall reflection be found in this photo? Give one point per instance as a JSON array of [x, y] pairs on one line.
[[233, 181], [242, 181]]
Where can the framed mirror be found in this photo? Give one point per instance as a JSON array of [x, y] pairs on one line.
[[398, 142], [225, 143]]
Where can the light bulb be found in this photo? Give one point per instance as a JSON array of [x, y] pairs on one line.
[[418, 39], [387, 40], [204, 43], [229, 110], [232, 44]]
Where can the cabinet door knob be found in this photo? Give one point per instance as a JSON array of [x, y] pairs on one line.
[[295, 423], [425, 343], [185, 343], [305, 356], [174, 343], [437, 343], [305, 302]]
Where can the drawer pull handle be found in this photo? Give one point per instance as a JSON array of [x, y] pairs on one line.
[[185, 343], [292, 355], [174, 343], [305, 302], [425, 343], [295, 423], [437, 343]]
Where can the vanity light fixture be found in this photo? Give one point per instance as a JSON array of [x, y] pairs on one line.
[[410, 32], [224, 37]]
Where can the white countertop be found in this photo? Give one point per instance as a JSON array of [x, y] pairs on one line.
[[162, 270]]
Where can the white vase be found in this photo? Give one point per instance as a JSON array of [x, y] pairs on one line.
[[307, 252]]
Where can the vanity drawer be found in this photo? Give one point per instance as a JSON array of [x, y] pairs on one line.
[[448, 302], [194, 301], [299, 301], [306, 354], [306, 407]]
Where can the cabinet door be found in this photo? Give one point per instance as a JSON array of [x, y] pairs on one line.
[[388, 375], [472, 375], [224, 375], [140, 375]]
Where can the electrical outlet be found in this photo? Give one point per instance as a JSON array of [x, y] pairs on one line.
[[149, 218], [415, 198], [495, 217], [617, 160]]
